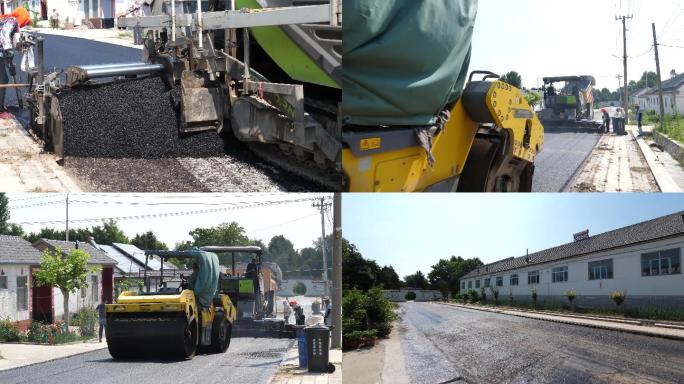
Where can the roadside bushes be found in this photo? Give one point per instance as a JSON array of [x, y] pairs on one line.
[[472, 295], [86, 319], [9, 331], [366, 315], [618, 297]]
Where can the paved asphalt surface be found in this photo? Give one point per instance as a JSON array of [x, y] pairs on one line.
[[247, 360], [447, 344], [562, 156]]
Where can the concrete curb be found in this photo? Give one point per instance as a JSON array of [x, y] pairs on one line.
[[53, 359], [671, 146], [571, 322], [663, 179], [100, 39]]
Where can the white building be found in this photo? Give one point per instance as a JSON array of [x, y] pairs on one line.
[[100, 12], [22, 302], [673, 97], [644, 260]]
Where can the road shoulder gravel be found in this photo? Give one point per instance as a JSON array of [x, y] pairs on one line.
[[655, 331]]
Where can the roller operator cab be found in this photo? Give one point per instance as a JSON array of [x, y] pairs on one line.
[[173, 322]]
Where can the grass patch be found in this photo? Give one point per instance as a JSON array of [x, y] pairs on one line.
[[655, 313], [673, 127], [125, 35]]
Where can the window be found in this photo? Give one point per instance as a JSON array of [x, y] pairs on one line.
[[602, 269], [559, 274], [22, 293], [462, 285], [533, 277], [486, 284], [470, 284], [477, 283], [3, 282], [84, 292], [94, 288], [514, 280], [665, 262], [499, 281]]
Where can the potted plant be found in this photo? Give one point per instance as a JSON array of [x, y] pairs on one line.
[[571, 295], [618, 298]]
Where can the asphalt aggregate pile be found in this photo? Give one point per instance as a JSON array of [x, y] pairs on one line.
[[130, 119]]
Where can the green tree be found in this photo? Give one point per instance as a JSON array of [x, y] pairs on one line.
[[388, 278], [513, 78], [416, 280], [67, 272], [4, 213], [446, 274], [148, 240], [533, 98], [359, 273], [282, 251], [108, 233]]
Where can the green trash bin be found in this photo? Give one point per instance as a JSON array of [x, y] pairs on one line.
[[318, 348], [619, 125]]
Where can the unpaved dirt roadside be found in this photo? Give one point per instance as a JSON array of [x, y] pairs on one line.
[[615, 165], [24, 167]]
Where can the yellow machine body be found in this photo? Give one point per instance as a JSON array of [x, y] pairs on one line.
[[408, 169]]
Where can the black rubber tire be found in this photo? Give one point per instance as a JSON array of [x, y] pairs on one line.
[[220, 334], [119, 351], [188, 347], [331, 368]]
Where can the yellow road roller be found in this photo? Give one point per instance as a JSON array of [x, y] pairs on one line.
[[173, 322]]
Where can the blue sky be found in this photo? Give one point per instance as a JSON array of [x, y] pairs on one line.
[[411, 232], [541, 38]]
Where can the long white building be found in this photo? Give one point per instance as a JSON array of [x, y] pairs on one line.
[[644, 260]]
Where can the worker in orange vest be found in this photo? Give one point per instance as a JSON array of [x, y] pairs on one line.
[[10, 26]]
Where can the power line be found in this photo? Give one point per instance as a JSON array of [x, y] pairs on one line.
[[283, 223], [181, 213], [670, 46], [42, 196]]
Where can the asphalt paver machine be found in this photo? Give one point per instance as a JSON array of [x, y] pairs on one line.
[[253, 294], [568, 103], [268, 71]]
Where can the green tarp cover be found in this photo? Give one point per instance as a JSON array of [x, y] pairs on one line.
[[404, 60], [206, 282]]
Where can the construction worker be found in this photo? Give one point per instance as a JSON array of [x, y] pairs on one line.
[[287, 311], [606, 120], [10, 26], [102, 314], [639, 117], [327, 319], [54, 19]]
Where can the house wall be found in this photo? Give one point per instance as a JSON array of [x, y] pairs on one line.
[[641, 290], [313, 287], [76, 302], [8, 297], [673, 102]]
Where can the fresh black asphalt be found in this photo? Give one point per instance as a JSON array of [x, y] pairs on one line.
[[441, 343], [561, 158]]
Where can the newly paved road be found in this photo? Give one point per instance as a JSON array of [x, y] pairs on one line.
[[247, 360], [563, 154], [446, 344]]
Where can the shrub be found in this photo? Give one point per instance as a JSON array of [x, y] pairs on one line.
[[495, 293], [86, 319], [618, 297], [364, 311], [410, 296], [571, 295], [472, 295], [36, 332], [299, 288], [8, 330]]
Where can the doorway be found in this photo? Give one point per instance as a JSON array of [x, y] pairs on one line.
[[42, 301]]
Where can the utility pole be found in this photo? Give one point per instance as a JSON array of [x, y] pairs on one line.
[[619, 77], [660, 84], [336, 312], [625, 101], [322, 205], [67, 217]]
